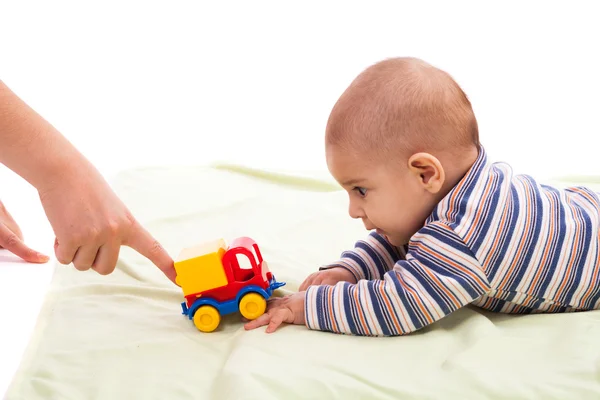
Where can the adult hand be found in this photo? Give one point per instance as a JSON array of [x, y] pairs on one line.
[[11, 239], [91, 223]]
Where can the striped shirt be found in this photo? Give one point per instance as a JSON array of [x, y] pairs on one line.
[[498, 241]]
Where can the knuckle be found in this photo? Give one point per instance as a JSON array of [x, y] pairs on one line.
[[113, 227], [129, 219], [73, 240], [11, 240], [30, 253], [156, 248], [92, 234]]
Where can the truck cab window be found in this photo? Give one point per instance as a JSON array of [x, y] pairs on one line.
[[245, 272]]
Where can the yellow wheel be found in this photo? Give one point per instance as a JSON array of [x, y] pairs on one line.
[[207, 318], [252, 305]]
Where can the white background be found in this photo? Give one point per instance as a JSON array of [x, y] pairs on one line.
[[191, 82]]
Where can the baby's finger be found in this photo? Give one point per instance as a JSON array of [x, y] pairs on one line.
[[307, 282], [258, 322], [329, 281], [11, 242], [322, 279], [277, 319]]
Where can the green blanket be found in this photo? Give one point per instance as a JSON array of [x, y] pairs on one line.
[[123, 336]]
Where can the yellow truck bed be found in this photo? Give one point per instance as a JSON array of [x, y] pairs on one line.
[[200, 268]]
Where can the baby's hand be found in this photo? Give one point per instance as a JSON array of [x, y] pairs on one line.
[[328, 277], [289, 309]]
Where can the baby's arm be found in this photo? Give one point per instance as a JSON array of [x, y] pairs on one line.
[[439, 276], [370, 259]]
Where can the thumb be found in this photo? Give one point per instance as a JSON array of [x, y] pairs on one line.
[[141, 241], [11, 242]]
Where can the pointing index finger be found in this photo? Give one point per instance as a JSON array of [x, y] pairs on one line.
[[141, 241]]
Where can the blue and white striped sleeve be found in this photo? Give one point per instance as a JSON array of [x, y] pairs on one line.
[[370, 259], [439, 276]]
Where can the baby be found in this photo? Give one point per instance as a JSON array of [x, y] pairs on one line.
[[448, 228]]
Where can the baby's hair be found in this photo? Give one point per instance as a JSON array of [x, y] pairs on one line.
[[402, 106]]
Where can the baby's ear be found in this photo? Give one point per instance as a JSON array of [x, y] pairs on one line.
[[428, 170]]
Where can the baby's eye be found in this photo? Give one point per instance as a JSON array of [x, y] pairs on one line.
[[362, 191]]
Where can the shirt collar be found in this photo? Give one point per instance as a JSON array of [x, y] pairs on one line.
[[453, 203]]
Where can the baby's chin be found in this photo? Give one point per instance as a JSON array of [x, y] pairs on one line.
[[394, 240]]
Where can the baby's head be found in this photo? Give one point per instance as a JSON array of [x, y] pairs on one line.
[[398, 139]]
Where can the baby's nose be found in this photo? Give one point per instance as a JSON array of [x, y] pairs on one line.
[[355, 212]]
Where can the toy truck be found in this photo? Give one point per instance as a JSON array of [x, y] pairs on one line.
[[215, 284]]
